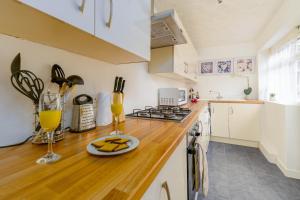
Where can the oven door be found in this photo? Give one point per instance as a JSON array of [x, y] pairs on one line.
[[182, 96]]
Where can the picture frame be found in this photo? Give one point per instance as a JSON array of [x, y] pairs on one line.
[[206, 67], [224, 66], [244, 65]]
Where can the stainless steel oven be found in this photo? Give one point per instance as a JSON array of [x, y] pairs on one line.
[[193, 174]]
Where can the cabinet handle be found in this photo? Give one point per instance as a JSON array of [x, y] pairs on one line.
[[81, 8], [186, 68], [108, 24], [166, 187], [231, 110]]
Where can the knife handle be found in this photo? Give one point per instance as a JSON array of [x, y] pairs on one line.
[[123, 85], [116, 84], [119, 84]]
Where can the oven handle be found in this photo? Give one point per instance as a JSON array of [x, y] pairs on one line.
[[166, 188]]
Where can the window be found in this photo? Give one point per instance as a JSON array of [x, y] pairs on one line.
[[280, 74]]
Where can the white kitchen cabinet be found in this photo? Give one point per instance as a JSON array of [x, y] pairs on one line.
[[174, 175], [171, 62], [244, 121], [236, 121], [125, 23], [219, 120], [78, 13], [177, 62], [80, 26]]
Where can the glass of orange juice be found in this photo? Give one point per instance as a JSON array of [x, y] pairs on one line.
[[49, 115], [116, 109]]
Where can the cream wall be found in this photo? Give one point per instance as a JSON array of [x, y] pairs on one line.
[[283, 21], [230, 86], [16, 110], [280, 136]]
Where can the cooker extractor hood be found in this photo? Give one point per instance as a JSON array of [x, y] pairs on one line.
[[165, 30]]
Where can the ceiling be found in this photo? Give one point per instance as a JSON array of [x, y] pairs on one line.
[[211, 24]]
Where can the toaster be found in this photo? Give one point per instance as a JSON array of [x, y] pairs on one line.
[[83, 117]]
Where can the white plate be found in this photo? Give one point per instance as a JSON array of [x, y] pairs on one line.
[[132, 143]]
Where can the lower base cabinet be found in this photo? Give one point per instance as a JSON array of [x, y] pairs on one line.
[[171, 182], [236, 121]]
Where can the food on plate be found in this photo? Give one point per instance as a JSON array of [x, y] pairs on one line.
[[121, 147], [121, 141], [108, 147]]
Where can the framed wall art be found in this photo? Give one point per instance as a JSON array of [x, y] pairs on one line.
[[224, 66], [244, 65], [206, 67]]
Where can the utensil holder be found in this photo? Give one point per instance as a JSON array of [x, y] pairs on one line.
[[122, 115], [39, 136]]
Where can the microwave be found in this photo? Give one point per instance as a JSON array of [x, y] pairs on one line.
[[172, 96]]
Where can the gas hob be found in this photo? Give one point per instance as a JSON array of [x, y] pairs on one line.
[[170, 113]]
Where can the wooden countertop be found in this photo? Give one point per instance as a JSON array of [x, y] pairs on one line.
[[79, 175], [237, 101]]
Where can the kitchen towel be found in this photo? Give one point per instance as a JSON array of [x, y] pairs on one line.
[[196, 169], [104, 116], [203, 170]]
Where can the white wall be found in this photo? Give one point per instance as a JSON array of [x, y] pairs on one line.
[[283, 21], [280, 137], [230, 86], [16, 110]]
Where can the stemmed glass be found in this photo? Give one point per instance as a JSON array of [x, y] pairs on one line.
[[50, 110], [116, 109]]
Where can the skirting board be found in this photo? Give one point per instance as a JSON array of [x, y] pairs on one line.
[[235, 141], [273, 159]]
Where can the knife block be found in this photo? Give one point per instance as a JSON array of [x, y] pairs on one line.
[[116, 96]]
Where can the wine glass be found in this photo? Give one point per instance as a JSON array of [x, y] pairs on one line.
[[50, 110], [116, 109]]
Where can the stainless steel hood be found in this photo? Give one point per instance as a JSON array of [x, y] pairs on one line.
[[165, 30]]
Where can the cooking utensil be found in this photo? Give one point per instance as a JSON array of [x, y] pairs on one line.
[[27, 83], [58, 75], [119, 84], [16, 64], [116, 84], [63, 89], [75, 80], [83, 118], [122, 87]]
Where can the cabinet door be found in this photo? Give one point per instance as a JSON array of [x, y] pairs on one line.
[[174, 174], [219, 120], [78, 13], [244, 121], [193, 70], [125, 23]]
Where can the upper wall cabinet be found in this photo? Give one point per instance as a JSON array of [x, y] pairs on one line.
[[171, 62], [115, 31], [179, 61], [78, 13], [125, 23]]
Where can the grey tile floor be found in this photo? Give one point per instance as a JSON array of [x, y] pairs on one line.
[[243, 173]]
